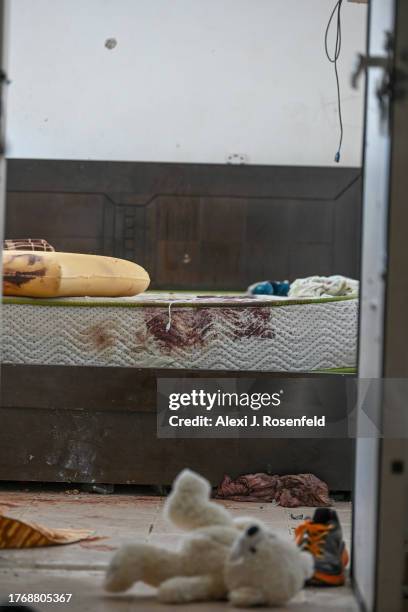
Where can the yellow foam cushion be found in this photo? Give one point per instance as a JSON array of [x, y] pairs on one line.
[[53, 274]]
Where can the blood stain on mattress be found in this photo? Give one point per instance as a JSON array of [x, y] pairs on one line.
[[249, 322], [188, 327], [101, 336]]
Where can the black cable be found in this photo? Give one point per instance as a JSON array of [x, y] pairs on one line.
[[333, 60]]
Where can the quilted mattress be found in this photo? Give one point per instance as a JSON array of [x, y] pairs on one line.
[[183, 331]]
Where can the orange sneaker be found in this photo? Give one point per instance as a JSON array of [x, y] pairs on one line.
[[322, 536]]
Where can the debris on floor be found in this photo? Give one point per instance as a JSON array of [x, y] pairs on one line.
[[129, 513], [101, 489], [15, 533], [297, 517]]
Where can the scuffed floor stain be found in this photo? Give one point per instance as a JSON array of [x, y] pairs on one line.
[[25, 499], [90, 543], [100, 547], [8, 505]]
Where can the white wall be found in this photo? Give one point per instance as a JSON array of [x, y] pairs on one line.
[[189, 81]]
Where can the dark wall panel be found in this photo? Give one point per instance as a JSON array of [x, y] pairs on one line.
[[99, 425], [193, 225]]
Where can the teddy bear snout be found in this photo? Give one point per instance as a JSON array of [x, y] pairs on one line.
[[252, 530]]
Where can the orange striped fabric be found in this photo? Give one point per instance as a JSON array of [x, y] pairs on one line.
[[15, 533]]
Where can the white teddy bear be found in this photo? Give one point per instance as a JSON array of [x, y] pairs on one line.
[[222, 558]]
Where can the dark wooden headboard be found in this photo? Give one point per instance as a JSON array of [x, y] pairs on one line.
[[193, 226]]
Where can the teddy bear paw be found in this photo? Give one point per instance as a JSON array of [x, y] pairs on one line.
[[246, 597], [173, 591]]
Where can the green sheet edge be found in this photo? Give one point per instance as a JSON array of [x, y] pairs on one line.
[[117, 303]]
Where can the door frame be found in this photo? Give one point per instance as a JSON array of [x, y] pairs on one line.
[[381, 463]]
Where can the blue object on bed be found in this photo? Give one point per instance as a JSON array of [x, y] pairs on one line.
[[280, 288]]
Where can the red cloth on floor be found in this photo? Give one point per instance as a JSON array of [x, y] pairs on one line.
[[289, 491]]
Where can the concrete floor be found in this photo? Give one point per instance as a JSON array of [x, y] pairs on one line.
[[116, 519]]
